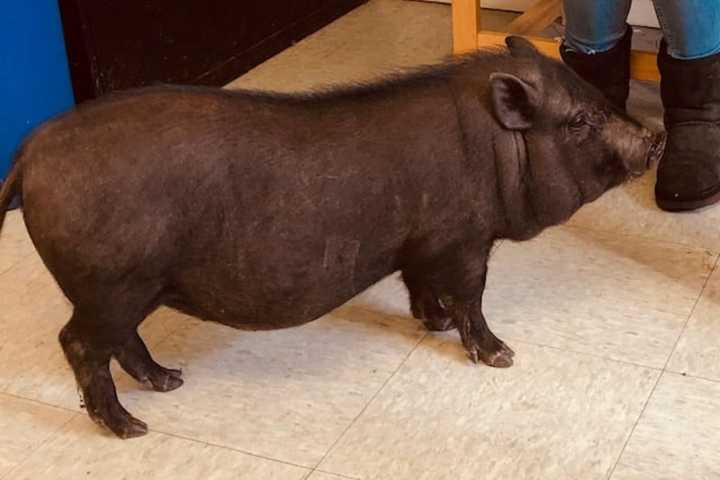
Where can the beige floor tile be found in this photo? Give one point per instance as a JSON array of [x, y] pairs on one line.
[[596, 293], [698, 351], [24, 426], [80, 453], [552, 415], [33, 311], [15, 243], [678, 435], [286, 394]]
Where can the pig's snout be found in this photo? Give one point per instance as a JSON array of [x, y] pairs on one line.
[[641, 151], [656, 149], [636, 147], [653, 147]]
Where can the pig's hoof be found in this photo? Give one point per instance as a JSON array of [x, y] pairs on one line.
[[122, 424], [498, 359], [133, 429], [506, 349], [501, 357], [439, 324], [166, 379]]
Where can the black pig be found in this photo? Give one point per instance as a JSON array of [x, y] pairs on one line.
[[265, 211]]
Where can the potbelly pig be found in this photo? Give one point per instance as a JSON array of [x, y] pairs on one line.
[[262, 210]]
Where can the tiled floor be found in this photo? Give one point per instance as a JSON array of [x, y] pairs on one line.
[[615, 319]]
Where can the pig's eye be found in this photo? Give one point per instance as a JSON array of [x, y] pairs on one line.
[[578, 121]]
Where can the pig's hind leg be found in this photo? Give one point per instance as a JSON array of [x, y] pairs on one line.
[[136, 360], [93, 335]]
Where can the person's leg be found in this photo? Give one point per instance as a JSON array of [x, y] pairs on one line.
[[689, 63], [594, 26], [597, 45], [691, 27]]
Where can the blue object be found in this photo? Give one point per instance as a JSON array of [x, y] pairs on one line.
[[691, 27], [34, 77]]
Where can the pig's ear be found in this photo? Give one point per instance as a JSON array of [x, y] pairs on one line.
[[514, 101], [520, 47]]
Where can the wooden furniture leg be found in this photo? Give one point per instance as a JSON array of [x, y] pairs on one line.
[[466, 25], [537, 18]]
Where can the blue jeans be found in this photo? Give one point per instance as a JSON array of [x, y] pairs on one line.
[[691, 27]]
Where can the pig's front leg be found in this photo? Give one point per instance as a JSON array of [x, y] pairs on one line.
[[479, 341], [425, 305], [462, 299]]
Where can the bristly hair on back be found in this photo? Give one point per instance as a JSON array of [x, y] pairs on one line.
[[388, 82]]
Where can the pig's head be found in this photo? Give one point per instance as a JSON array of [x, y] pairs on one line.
[[564, 143]]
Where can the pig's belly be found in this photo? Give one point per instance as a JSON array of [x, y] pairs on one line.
[[269, 305], [256, 314]]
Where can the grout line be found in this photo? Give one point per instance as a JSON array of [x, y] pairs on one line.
[[40, 402], [83, 413], [664, 369], [370, 401], [339, 475], [227, 447], [637, 421], [692, 312], [690, 375], [77, 414]]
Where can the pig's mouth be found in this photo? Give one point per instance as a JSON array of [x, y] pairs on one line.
[[656, 150]]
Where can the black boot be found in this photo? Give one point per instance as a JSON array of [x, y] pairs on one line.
[[608, 71], [689, 172]]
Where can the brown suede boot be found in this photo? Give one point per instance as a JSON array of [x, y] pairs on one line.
[[689, 171], [608, 71]]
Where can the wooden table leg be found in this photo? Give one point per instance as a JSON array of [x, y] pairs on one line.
[[466, 25], [536, 18]]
